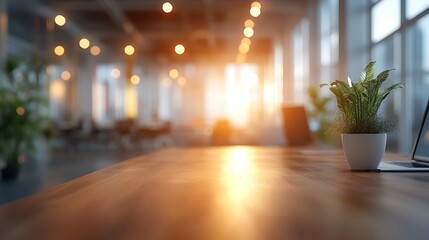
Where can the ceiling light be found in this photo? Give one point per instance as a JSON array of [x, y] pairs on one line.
[[248, 32], [95, 50], [115, 73], [65, 75], [246, 41], [129, 50], [59, 50], [84, 43], [255, 12], [179, 49], [174, 73], [135, 79], [256, 4], [167, 7], [60, 20], [249, 23]]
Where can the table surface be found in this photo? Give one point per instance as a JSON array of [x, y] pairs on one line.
[[227, 193]]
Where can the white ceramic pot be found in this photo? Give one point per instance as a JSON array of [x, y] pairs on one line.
[[364, 151]]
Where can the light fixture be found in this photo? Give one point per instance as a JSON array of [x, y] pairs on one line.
[[115, 73], [174, 73], [248, 32], [256, 4], [246, 41], [129, 50], [95, 50], [60, 20], [135, 79], [65, 75], [84, 43], [255, 12], [179, 49], [249, 23], [59, 50], [167, 7]]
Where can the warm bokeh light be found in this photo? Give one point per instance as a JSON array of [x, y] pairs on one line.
[[20, 110], [59, 50], [129, 50], [60, 20], [181, 81], [244, 48], [65, 75], [95, 50], [135, 79], [57, 90], [255, 12], [174, 73], [84, 43], [167, 7], [248, 32], [131, 102], [115, 73], [246, 41], [256, 4], [249, 23], [179, 49]]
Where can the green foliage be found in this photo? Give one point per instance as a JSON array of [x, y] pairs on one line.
[[319, 112], [358, 103], [20, 102]]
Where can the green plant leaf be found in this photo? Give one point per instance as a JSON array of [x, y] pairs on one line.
[[368, 72]]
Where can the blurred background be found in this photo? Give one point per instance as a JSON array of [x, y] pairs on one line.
[[120, 78]]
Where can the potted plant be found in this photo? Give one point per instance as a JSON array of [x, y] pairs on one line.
[[20, 120], [363, 131]]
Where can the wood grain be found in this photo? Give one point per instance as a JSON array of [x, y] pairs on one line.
[[227, 193]]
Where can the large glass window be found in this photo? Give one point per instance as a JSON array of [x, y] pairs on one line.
[[387, 56], [414, 7], [386, 18], [328, 19], [417, 69]]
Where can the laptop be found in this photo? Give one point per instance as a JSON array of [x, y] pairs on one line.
[[420, 157]]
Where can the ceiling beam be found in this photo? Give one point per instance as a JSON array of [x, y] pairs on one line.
[[116, 13]]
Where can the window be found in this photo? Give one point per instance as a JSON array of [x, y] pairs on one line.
[[417, 70], [414, 7], [386, 18]]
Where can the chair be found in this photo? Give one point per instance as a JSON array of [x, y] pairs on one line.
[[295, 125]]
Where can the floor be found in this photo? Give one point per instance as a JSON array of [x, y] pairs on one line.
[[57, 167]]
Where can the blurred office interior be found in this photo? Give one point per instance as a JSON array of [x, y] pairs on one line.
[[127, 77]]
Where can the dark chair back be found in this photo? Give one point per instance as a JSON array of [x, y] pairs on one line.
[[295, 126]]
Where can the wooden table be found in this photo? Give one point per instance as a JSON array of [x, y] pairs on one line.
[[227, 193]]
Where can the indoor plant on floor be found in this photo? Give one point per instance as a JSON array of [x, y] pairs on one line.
[[20, 120], [363, 131]]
